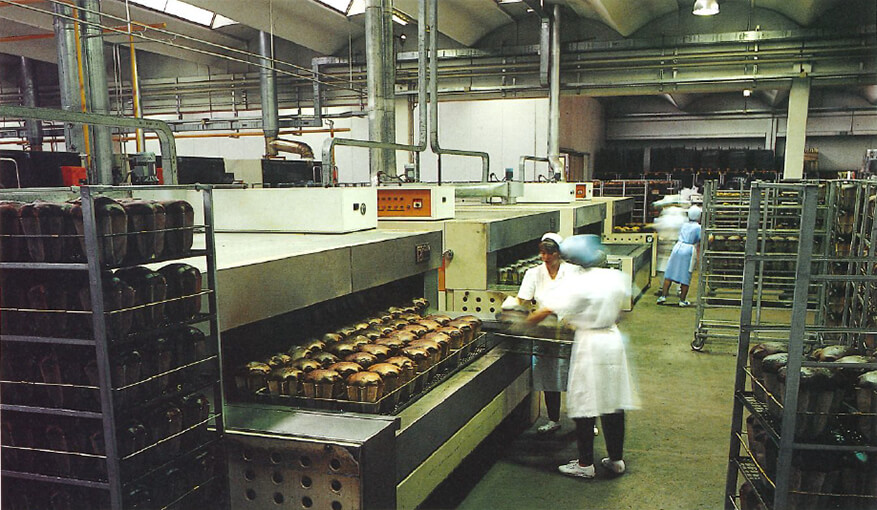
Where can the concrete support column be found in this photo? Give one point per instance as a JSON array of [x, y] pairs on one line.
[[68, 75], [98, 95], [33, 127], [796, 129], [268, 92]]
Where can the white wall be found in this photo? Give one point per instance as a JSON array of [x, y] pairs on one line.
[[504, 128]]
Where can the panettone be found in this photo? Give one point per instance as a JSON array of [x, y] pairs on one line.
[[332, 338], [325, 358], [285, 381], [361, 326], [421, 304], [386, 330], [405, 336], [279, 360], [346, 331], [372, 334], [415, 329], [411, 317], [374, 322], [454, 334], [442, 339], [314, 345], [365, 387], [298, 352], [394, 343], [342, 349], [419, 355], [359, 340], [363, 359], [465, 328], [306, 364], [395, 311], [441, 319], [432, 347], [430, 325], [381, 352], [345, 368], [321, 383], [257, 375], [398, 323], [390, 373]]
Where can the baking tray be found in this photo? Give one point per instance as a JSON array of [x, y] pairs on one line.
[[401, 397]]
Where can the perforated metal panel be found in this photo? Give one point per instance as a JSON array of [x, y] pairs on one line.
[[267, 472]]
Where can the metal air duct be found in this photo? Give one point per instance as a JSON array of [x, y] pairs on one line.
[[98, 95], [33, 127], [268, 91], [68, 75]]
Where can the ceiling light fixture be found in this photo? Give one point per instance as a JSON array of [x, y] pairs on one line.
[[705, 8]]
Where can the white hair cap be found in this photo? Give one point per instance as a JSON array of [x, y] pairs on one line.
[[694, 213], [554, 237]]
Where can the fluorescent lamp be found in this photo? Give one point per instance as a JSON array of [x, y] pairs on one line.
[[705, 8]]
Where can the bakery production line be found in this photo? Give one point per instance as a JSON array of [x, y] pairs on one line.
[[277, 289]]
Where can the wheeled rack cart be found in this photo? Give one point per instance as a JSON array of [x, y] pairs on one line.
[[720, 279], [810, 438], [111, 389]]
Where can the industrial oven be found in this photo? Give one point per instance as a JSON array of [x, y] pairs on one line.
[[314, 450], [619, 212]]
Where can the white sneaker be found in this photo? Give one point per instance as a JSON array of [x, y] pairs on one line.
[[574, 469], [684, 304], [613, 466], [661, 299], [596, 431], [551, 426]]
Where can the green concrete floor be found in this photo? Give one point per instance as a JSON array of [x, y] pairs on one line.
[[676, 445]]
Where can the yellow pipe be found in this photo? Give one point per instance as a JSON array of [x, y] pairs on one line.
[[81, 73], [135, 88]]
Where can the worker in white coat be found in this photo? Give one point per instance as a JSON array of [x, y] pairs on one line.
[[537, 283], [600, 382]]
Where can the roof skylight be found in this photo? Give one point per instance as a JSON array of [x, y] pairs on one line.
[[187, 12]]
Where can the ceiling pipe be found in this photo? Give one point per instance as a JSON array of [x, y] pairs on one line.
[[433, 103], [33, 127], [98, 96], [328, 170], [68, 75], [554, 160], [268, 93]]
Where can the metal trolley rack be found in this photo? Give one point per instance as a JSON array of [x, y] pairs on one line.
[[643, 192], [820, 452], [720, 280], [131, 419]]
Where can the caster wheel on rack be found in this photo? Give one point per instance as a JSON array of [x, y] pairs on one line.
[[698, 343]]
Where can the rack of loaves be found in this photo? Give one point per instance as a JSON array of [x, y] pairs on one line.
[[810, 438], [374, 365], [110, 368]]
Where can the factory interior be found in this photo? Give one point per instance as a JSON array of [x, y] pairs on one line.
[[289, 254]]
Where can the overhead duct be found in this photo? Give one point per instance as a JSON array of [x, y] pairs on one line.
[[33, 127], [554, 99], [268, 92], [98, 96], [380, 75], [68, 74], [330, 143], [433, 103]]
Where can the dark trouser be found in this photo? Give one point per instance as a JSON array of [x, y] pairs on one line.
[[613, 431], [552, 404]]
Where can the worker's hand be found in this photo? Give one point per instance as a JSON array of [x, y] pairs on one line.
[[512, 303], [538, 316]]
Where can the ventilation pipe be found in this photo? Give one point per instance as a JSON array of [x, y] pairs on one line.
[[268, 91], [433, 103], [33, 127], [292, 146], [554, 160], [98, 96], [380, 76], [68, 74], [330, 143]]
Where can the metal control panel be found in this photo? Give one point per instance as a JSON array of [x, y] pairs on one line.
[[584, 190], [421, 203]]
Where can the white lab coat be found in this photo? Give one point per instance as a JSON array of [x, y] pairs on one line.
[[600, 381], [536, 285]]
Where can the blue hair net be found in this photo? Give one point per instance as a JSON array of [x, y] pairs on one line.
[[585, 250]]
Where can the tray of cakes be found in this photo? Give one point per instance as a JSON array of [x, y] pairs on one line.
[[377, 365]]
